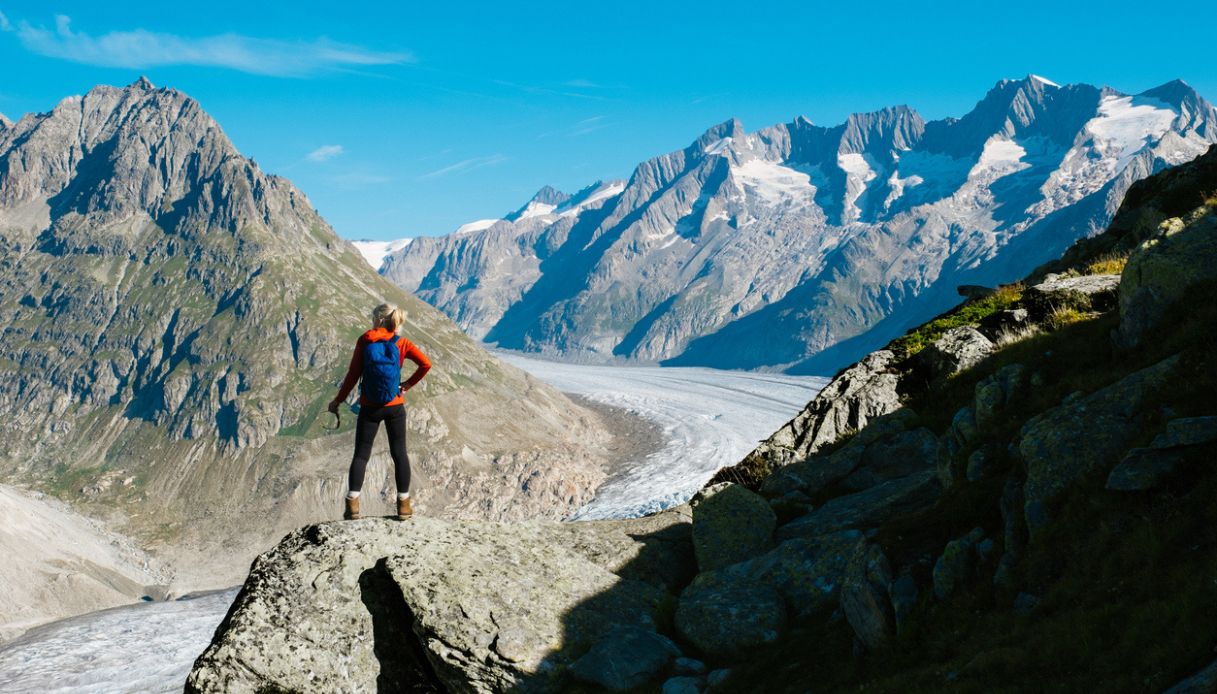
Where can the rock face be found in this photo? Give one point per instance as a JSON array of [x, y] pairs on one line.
[[1162, 272], [465, 606], [865, 508], [173, 321], [1081, 437], [789, 247], [845, 406]]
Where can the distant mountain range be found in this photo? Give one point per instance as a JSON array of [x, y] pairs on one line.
[[802, 247]]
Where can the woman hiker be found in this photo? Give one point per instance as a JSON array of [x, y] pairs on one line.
[[379, 355]]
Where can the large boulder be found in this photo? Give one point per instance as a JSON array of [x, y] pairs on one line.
[[957, 350], [865, 597], [1161, 272], [1084, 293], [1081, 437], [895, 457], [726, 618], [867, 508], [466, 606], [994, 392], [806, 572], [956, 564], [730, 524], [962, 433], [1187, 431], [625, 659]]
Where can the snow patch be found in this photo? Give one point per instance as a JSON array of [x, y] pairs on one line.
[[475, 226], [536, 209], [1000, 157], [609, 191], [375, 252], [718, 146], [1045, 81], [1126, 124], [773, 183], [858, 172]]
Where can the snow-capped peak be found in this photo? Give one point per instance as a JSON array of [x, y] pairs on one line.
[[477, 225], [375, 252], [1044, 81]]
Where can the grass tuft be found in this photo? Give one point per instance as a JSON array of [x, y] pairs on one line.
[[1107, 264], [969, 313]]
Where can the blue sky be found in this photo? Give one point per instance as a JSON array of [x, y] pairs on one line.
[[410, 119]]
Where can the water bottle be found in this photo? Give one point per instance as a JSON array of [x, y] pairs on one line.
[[355, 408]]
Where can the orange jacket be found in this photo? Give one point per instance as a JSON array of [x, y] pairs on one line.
[[408, 351]]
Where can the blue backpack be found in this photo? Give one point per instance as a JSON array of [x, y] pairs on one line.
[[381, 371]]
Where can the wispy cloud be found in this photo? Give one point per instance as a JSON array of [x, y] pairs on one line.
[[325, 152], [546, 91], [582, 84], [578, 128], [588, 125], [139, 48], [466, 165]]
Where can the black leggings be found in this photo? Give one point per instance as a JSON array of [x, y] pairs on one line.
[[365, 433]]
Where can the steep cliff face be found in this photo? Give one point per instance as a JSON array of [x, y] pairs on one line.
[[173, 321], [804, 247], [1017, 494]]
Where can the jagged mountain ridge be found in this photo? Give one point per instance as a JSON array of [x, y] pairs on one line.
[[173, 321], [802, 247]]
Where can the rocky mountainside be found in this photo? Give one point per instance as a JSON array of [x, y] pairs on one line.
[[1015, 495], [173, 321], [803, 247]]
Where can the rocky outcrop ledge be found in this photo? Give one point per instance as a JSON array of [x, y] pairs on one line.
[[430, 605]]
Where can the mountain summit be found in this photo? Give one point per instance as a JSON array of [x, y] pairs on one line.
[[802, 247]]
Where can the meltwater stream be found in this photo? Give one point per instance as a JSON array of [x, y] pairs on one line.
[[710, 418]]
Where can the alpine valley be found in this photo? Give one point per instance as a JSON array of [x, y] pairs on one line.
[[801, 247], [173, 321]]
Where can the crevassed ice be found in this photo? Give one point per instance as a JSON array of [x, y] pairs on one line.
[[858, 172], [774, 183], [1125, 124], [141, 648], [710, 419]]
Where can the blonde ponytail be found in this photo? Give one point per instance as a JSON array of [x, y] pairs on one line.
[[389, 317]]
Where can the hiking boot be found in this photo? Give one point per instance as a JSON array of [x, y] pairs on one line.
[[404, 508], [352, 512]]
